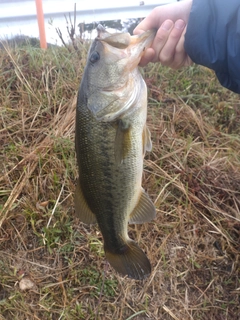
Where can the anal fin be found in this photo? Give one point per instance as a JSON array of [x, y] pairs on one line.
[[144, 210], [81, 207]]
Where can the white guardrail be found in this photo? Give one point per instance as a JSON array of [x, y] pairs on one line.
[[19, 16]]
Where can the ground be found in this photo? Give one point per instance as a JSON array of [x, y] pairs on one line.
[[53, 266]]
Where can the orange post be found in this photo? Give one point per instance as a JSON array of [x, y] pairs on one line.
[[41, 25]]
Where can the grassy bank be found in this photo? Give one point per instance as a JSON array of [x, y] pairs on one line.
[[192, 175]]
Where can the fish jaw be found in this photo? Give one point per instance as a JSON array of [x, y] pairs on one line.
[[138, 44]]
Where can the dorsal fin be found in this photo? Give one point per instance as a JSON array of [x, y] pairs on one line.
[[144, 210]]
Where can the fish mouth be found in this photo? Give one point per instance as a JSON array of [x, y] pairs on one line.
[[144, 39], [139, 43], [133, 47]]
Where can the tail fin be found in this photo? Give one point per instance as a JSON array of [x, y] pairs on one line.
[[131, 261]]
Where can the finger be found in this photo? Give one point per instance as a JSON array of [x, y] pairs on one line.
[[181, 58], [147, 57], [161, 38], [167, 54]]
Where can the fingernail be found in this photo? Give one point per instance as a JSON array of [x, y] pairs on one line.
[[167, 25], [179, 24]]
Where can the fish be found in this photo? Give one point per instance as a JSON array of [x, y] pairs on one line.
[[111, 140]]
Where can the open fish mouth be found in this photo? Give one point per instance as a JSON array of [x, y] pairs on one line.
[[134, 45]]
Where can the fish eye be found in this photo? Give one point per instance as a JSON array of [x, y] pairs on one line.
[[95, 56]]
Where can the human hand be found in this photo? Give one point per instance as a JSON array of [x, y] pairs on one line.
[[168, 45]]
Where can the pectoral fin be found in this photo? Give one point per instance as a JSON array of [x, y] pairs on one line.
[[144, 211], [81, 207], [122, 140], [147, 143]]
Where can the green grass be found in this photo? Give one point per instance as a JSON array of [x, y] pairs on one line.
[[192, 174]]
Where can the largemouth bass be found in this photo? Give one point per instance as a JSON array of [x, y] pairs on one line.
[[111, 141]]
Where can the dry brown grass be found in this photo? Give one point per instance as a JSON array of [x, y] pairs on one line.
[[192, 174]]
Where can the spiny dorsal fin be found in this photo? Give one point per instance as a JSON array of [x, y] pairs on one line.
[[122, 140], [81, 207], [144, 210], [147, 143], [131, 261]]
